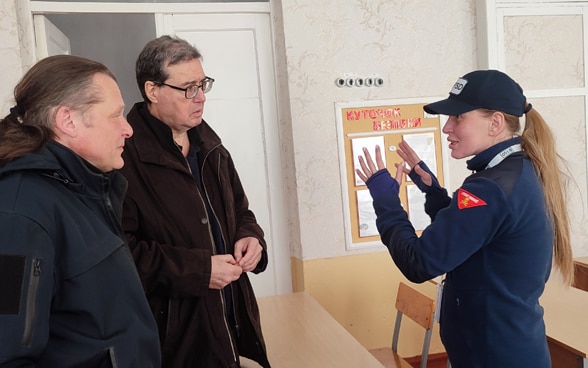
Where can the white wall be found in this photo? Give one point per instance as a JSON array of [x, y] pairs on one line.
[[12, 64], [418, 48]]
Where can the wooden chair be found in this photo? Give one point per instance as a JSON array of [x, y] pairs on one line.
[[419, 308], [580, 276]]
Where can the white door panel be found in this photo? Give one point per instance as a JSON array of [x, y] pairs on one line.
[[233, 67], [49, 39], [241, 107], [231, 124]]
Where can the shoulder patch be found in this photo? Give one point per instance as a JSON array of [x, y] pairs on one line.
[[12, 269], [466, 199]]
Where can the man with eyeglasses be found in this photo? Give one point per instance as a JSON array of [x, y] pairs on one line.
[[187, 218]]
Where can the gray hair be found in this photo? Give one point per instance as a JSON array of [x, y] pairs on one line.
[[55, 81], [157, 55]]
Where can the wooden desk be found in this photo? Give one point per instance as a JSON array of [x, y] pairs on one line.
[[566, 322], [581, 273], [300, 333], [582, 260]]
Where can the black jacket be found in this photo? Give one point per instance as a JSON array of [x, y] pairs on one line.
[[170, 236], [70, 293]]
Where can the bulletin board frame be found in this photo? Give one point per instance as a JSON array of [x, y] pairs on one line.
[[386, 121]]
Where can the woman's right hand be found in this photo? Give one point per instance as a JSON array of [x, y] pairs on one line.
[[408, 155]]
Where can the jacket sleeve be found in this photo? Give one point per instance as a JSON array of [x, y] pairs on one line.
[[247, 225], [436, 197], [456, 234], [164, 267], [26, 286]]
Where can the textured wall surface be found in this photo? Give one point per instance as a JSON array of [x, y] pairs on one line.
[[534, 45], [418, 48], [10, 57]]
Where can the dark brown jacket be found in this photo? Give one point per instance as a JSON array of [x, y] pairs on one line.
[[169, 234]]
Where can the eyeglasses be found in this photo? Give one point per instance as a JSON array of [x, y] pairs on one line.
[[191, 91]]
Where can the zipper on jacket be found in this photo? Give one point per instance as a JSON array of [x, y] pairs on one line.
[[200, 195], [228, 329], [168, 319], [31, 301], [112, 357], [56, 175], [237, 327], [222, 296], [111, 213], [235, 316]]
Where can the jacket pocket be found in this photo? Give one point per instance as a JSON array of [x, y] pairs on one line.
[[30, 307]]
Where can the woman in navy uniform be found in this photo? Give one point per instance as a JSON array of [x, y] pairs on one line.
[[496, 237]]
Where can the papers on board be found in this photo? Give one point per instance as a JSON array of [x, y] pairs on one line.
[[416, 208], [366, 213], [423, 145], [357, 146]]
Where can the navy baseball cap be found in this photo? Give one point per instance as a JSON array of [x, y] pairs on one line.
[[482, 89]]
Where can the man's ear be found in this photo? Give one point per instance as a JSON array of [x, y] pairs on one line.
[[65, 126], [497, 123], [151, 91]]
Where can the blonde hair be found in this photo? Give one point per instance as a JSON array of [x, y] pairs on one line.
[[538, 143]]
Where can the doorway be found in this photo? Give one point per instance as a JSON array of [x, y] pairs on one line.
[[112, 39], [242, 108]]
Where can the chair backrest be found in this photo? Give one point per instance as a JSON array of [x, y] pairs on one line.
[[580, 276], [419, 308]]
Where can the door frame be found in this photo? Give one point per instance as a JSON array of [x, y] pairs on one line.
[[48, 7], [282, 278]]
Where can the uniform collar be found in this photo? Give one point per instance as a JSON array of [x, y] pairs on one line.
[[482, 159]]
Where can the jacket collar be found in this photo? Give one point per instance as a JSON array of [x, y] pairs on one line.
[[150, 134], [56, 161], [481, 160]]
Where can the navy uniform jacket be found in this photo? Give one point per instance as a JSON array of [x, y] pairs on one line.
[[70, 293], [494, 240]]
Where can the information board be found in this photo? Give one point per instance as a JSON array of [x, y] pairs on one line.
[[385, 123]]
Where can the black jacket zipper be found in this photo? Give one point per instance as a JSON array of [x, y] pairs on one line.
[[31, 301]]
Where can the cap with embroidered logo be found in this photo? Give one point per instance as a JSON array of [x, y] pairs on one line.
[[482, 89]]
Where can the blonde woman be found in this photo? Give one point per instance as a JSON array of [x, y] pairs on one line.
[[496, 237]]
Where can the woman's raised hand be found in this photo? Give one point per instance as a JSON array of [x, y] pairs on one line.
[[412, 159], [368, 168]]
